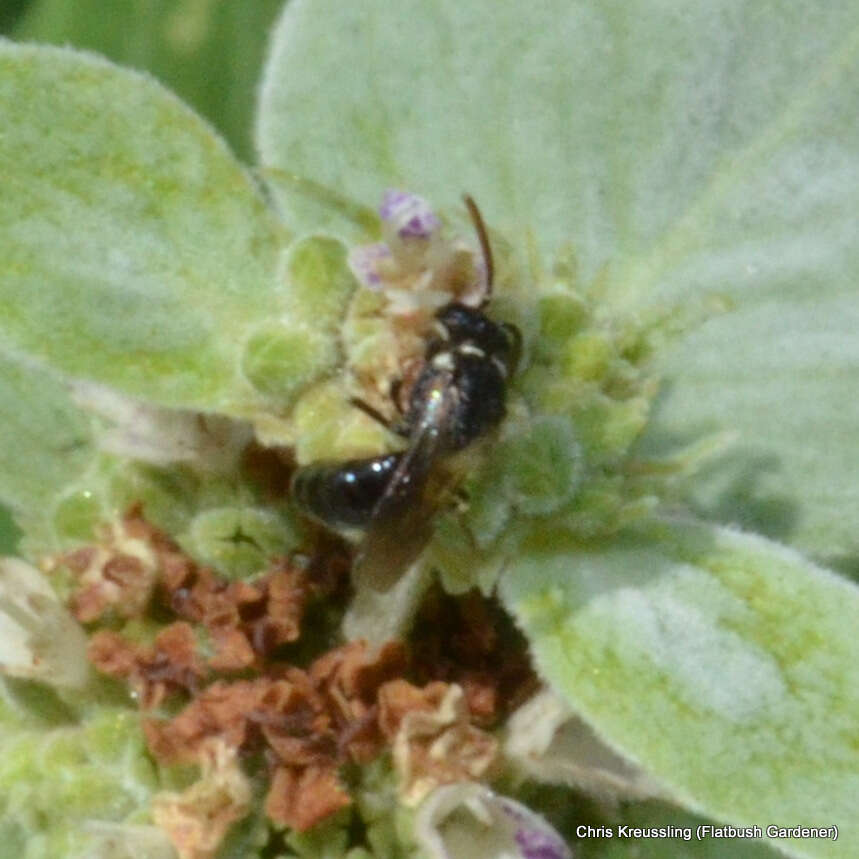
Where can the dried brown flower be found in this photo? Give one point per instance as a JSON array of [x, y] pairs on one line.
[[350, 678], [118, 574], [170, 664], [434, 742], [197, 819], [348, 705], [301, 798], [470, 641]]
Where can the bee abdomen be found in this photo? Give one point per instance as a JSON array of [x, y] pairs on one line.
[[343, 494]]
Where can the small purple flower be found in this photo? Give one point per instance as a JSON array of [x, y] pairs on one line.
[[535, 844], [364, 263], [408, 214], [414, 265], [485, 825]]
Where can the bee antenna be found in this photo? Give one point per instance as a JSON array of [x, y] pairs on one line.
[[483, 238]]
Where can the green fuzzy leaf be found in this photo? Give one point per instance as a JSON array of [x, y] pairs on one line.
[[46, 443], [60, 486], [722, 664], [450, 97], [9, 532], [542, 466], [599, 123], [282, 357], [136, 251], [55, 481], [773, 230], [58, 785], [182, 42], [239, 541], [782, 374], [678, 839]]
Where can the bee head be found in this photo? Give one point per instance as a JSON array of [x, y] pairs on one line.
[[459, 325]]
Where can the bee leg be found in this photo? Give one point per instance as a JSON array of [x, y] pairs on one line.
[[401, 426], [375, 414], [394, 392]]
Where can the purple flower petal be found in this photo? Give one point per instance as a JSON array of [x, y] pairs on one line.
[[364, 261], [467, 820], [392, 201], [408, 214], [540, 845]]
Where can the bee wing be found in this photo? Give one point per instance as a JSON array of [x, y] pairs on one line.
[[402, 520]]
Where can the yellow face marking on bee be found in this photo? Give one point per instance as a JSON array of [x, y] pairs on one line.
[[443, 361], [470, 349], [441, 329]]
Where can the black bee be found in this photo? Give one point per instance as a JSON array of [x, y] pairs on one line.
[[458, 397]]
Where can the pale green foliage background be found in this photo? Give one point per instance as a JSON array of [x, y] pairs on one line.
[[209, 52], [686, 151]]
